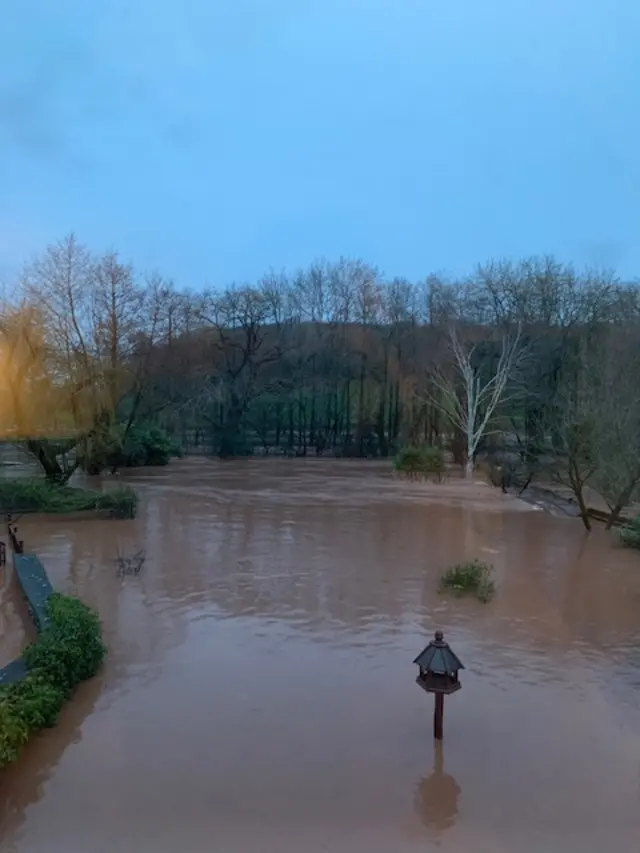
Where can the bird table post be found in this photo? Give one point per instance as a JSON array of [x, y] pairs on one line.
[[439, 667], [438, 716]]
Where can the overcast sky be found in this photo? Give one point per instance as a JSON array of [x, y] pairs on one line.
[[213, 139]]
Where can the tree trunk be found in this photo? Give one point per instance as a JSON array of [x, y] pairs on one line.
[[584, 511], [46, 456], [614, 515], [578, 491], [468, 463]]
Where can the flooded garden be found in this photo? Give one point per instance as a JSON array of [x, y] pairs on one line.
[[259, 692]]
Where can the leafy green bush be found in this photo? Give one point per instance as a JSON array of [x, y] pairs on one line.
[[68, 651], [434, 460], [630, 533], [473, 576], [40, 495], [410, 461], [142, 445], [417, 462], [157, 446], [14, 731], [37, 701]]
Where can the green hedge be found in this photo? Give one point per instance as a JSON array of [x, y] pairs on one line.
[[69, 651], [39, 495]]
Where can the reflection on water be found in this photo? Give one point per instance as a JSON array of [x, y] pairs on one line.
[[437, 797], [260, 696]]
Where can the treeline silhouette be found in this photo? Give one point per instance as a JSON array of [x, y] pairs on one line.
[[336, 357]]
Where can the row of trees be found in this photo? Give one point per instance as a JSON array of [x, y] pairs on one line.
[[531, 364]]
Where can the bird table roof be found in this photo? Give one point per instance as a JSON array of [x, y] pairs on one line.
[[437, 657]]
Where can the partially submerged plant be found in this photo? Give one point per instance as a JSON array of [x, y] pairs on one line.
[[131, 564], [434, 461], [36, 494], [68, 651], [122, 502], [28, 494], [416, 462], [630, 533], [473, 576]]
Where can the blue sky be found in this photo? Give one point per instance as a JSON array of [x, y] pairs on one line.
[[213, 139]]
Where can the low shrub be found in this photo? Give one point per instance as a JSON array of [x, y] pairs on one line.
[[434, 461], [630, 533], [122, 502], [409, 461], [68, 651], [143, 444], [40, 495], [417, 462], [473, 576]]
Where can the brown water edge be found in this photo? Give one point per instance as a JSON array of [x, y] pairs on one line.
[[260, 695]]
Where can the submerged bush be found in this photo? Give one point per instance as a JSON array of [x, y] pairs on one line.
[[68, 651], [630, 533], [122, 502], [40, 495], [116, 447], [409, 460], [434, 460], [473, 576], [417, 462]]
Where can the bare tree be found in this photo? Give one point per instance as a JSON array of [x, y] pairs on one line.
[[575, 462], [60, 283], [611, 369], [245, 339], [467, 398], [117, 319]]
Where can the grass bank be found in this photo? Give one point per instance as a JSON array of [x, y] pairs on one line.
[[39, 495], [68, 651]]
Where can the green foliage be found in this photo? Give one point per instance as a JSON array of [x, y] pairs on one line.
[[420, 461], [473, 576], [122, 502], [14, 731], [111, 448], [434, 460], [410, 461], [37, 701], [630, 533], [100, 451], [40, 495], [69, 651], [147, 445]]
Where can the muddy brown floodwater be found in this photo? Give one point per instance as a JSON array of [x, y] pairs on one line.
[[259, 695]]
